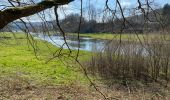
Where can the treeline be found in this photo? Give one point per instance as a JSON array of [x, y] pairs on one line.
[[72, 21], [152, 21], [166, 14]]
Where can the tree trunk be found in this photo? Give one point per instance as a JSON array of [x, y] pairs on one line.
[[11, 14]]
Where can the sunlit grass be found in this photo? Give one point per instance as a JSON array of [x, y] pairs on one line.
[[17, 57], [123, 36]]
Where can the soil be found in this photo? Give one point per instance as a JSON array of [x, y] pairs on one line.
[[13, 88]]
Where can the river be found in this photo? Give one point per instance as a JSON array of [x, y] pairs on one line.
[[95, 45], [86, 43]]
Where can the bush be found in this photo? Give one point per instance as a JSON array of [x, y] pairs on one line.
[[130, 61]]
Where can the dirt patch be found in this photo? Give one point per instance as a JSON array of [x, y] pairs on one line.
[[18, 88], [22, 89]]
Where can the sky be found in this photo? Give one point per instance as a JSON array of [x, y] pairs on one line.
[[74, 7]]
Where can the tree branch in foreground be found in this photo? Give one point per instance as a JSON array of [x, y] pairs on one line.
[[11, 14]]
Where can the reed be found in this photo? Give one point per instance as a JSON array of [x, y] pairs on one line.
[[131, 61]]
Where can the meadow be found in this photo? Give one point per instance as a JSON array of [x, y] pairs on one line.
[[122, 36], [17, 55], [25, 72], [21, 67]]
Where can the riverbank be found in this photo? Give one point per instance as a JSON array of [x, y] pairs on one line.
[[18, 55], [123, 36], [25, 74], [117, 37], [23, 70]]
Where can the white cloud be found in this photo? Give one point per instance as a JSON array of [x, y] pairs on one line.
[[126, 3]]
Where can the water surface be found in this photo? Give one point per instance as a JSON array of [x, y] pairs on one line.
[[86, 43], [96, 45]]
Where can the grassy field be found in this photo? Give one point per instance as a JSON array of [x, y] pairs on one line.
[[123, 36], [18, 57], [23, 72], [25, 76]]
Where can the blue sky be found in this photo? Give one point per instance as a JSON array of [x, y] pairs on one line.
[[124, 3], [74, 7], [100, 4]]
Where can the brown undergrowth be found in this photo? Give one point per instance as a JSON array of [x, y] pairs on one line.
[[19, 88]]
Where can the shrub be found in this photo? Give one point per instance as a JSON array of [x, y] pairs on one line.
[[130, 61]]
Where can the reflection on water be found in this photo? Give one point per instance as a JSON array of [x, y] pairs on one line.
[[95, 45], [87, 44]]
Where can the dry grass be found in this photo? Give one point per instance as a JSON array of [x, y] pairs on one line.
[[18, 88], [132, 61], [142, 70]]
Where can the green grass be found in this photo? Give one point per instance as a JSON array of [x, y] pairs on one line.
[[18, 58], [123, 36]]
